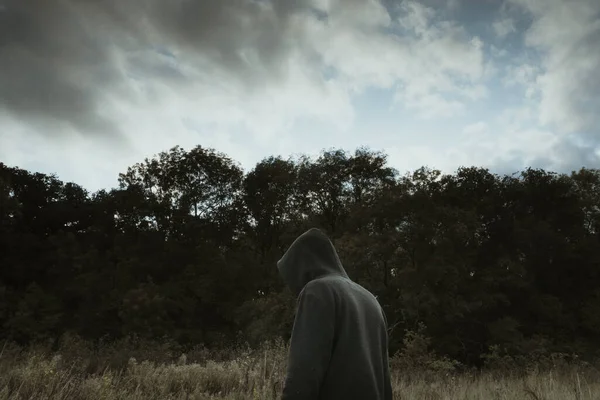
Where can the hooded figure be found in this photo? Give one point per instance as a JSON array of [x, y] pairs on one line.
[[339, 345]]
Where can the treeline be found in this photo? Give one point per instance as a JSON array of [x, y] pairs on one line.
[[185, 249]]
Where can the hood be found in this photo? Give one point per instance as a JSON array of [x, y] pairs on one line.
[[311, 256]]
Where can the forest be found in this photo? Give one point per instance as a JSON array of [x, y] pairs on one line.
[[185, 250]]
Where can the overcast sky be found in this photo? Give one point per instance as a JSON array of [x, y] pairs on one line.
[[88, 88]]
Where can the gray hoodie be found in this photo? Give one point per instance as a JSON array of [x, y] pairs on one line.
[[339, 344]]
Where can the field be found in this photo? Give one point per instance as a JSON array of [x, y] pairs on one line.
[[121, 371]]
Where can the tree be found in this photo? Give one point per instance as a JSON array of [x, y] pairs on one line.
[[187, 247]]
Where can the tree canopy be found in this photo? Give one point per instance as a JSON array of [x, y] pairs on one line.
[[186, 248]]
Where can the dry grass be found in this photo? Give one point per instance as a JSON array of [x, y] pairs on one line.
[[79, 372]]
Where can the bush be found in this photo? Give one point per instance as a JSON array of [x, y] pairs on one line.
[[417, 356]]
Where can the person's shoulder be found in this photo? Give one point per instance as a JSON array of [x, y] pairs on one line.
[[317, 285], [359, 291], [329, 282], [321, 286], [316, 292]]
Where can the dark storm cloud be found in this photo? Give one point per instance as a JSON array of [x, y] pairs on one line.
[[50, 65], [59, 58]]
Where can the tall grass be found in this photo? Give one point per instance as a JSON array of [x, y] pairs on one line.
[[126, 371]]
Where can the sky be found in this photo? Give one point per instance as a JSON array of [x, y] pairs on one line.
[[88, 88]]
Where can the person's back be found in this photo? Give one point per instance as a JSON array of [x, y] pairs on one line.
[[339, 346]]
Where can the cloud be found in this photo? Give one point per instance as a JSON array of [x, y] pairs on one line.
[[69, 61], [155, 74], [422, 57], [152, 73], [503, 27], [78, 62], [52, 66], [476, 128], [119, 81], [566, 37]]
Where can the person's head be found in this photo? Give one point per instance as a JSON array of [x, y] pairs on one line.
[[311, 256]]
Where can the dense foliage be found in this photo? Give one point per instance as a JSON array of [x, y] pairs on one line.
[[186, 246]]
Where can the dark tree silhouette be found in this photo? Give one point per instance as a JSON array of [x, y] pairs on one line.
[[186, 247]]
